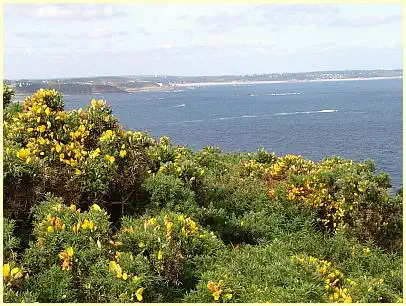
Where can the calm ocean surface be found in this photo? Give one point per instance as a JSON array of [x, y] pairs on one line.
[[357, 120]]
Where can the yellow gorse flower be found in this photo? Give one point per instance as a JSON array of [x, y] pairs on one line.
[[139, 293], [95, 153], [6, 271], [88, 225], [333, 278], [123, 153], [95, 207], [23, 153], [216, 289], [107, 135], [116, 268], [11, 274], [110, 158], [66, 255], [97, 103]]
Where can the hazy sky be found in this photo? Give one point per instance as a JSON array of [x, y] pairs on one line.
[[44, 41]]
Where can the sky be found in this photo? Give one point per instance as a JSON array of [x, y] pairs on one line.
[[79, 40]]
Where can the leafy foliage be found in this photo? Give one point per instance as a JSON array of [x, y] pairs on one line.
[[94, 213], [8, 95]]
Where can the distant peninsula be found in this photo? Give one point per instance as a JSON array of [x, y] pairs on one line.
[[140, 83]]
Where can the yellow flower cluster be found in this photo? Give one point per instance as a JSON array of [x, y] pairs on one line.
[[48, 131], [39, 123], [217, 290], [127, 229], [115, 268], [313, 191], [140, 138], [291, 164], [150, 222], [55, 224], [189, 226], [11, 274], [66, 256], [115, 243], [97, 103], [175, 160], [107, 136], [73, 208], [168, 228], [296, 193], [83, 225], [253, 168], [333, 278], [375, 284]]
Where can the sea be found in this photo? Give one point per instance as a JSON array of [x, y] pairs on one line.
[[354, 119]]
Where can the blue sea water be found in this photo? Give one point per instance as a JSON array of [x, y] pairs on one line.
[[357, 120]]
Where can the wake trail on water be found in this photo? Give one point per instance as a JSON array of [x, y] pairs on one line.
[[283, 94], [255, 116], [271, 94]]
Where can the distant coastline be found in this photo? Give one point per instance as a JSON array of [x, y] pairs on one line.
[[177, 86], [161, 83], [203, 84]]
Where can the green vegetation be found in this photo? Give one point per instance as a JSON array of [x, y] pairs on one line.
[[94, 213], [8, 95]]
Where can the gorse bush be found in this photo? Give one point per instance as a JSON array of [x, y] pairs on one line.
[[95, 213], [81, 155], [175, 245], [74, 256], [345, 196], [280, 272]]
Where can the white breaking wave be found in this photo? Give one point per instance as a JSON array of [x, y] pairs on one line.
[[327, 111], [308, 112], [283, 94], [180, 105]]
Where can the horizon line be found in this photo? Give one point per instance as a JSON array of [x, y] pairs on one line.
[[220, 75]]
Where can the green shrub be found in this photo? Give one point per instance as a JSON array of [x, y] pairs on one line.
[[178, 161], [12, 110], [264, 157], [174, 244], [345, 194], [83, 156], [301, 267], [233, 194], [170, 193], [11, 296], [53, 285], [257, 275], [10, 241], [58, 227], [127, 278], [8, 95]]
